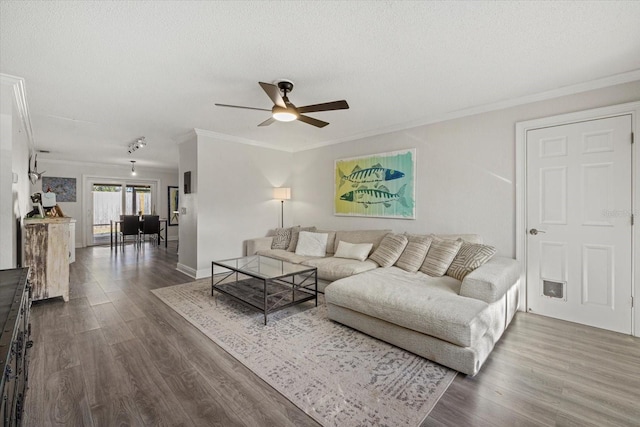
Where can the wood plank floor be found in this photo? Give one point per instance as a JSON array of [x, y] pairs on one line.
[[116, 355]]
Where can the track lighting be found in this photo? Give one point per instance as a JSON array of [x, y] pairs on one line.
[[133, 167], [139, 143]]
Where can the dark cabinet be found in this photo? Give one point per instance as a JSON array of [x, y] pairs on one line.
[[15, 342]]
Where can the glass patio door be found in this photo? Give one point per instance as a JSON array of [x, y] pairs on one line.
[[107, 205], [107, 199]]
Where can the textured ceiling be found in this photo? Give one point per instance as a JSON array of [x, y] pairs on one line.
[[100, 74]]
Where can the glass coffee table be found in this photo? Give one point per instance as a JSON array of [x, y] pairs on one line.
[[266, 284]]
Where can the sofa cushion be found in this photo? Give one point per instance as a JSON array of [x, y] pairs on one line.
[[312, 244], [295, 232], [332, 268], [284, 255], [469, 238], [389, 250], [415, 301], [414, 254], [360, 236], [490, 282], [281, 238], [441, 254], [469, 257]]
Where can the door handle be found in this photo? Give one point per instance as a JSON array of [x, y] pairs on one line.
[[533, 231]]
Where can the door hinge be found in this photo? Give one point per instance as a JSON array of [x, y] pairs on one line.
[[631, 302], [633, 139], [633, 218]]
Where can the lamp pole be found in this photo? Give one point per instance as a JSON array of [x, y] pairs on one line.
[[281, 213]]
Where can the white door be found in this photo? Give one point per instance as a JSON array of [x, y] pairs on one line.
[[579, 222]]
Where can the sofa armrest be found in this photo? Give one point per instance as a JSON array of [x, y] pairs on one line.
[[258, 244], [491, 281]]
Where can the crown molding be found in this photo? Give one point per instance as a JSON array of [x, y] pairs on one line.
[[106, 165], [22, 106], [231, 138], [614, 80]]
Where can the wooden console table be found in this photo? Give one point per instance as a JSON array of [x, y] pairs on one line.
[[46, 251]]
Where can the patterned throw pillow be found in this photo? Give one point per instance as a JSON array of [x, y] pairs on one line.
[[470, 257], [295, 232], [389, 250], [440, 255], [281, 239], [415, 253]]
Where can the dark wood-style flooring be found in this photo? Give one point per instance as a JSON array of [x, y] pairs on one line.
[[116, 355]]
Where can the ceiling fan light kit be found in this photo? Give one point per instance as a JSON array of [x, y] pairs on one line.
[[284, 114], [284, 111]]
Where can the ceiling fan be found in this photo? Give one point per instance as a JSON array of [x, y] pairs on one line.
[[284, 111]]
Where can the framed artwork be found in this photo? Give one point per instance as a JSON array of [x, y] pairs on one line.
[[64, 188], [378, 185], [173, 214]]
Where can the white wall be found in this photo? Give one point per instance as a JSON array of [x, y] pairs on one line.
[[233, 196], [14, 156], [188, 241], [465, 171], [75, 170]]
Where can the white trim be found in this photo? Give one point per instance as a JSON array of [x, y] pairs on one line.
[[231, 138], [632, 108], [185, 269], [108, 165], [20, 96]]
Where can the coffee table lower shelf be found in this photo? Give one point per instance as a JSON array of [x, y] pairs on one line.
[[267, 295]]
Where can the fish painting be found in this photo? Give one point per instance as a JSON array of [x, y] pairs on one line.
[[369, 196], [375, 174]]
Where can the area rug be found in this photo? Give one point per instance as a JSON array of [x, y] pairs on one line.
[[338, 376]]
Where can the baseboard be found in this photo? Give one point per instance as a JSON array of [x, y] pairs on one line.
[[184, 269]]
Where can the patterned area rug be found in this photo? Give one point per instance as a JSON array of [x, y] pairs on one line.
[[335, 374]]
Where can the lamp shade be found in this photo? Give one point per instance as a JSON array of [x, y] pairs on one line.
[[282, 193]]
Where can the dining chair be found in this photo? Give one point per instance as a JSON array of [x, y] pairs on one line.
[[151, 226], [130, 227]]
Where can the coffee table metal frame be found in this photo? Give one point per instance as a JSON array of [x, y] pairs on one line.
[[276, 272]]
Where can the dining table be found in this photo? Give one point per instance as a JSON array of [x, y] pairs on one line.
[[117, 223]]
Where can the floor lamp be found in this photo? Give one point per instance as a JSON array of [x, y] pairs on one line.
[[282, 194]]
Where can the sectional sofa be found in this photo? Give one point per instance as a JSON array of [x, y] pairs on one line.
[[453, 316]]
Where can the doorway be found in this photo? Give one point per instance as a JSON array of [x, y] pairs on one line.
[[107, 198], [579, 241], [577, 193]]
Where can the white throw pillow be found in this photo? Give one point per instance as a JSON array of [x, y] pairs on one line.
[[359, 251], [312, 244]]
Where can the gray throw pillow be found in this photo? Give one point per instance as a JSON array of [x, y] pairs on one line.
[[389, 250], [281, 239], [414, 254], [440, 256], [469, 257]]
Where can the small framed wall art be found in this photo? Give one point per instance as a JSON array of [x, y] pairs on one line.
[[377, 185]]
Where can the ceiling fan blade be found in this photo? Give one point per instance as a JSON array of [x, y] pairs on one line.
[[274, 93], [267, 122], [240, 106], [311, 121], [327, 106]]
